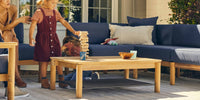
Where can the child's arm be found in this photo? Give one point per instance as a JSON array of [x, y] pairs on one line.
[[31, 31], [68, 26], [0, 32]]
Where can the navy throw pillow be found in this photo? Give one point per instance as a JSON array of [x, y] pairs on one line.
[[144, 22]]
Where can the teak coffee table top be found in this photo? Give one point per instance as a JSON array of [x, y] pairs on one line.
[[101, 59]]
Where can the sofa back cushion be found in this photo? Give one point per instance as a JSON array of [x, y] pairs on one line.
[[19, 30], [132, 35], [164, 34], [144, 22], [186, 35], [98, 32]]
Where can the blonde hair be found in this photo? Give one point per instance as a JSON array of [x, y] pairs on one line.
[[40, 2]]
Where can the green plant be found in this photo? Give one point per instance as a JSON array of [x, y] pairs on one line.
[[72, 12], [185, 11], [65, 9]]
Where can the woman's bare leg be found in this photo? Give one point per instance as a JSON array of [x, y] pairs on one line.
[[18, 80]]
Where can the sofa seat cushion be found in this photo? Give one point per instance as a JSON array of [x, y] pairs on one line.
[[3, 63], [186, 55], [26, 52], [108, 50], [155, 51]]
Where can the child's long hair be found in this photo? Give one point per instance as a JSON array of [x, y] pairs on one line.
[[40, 2]]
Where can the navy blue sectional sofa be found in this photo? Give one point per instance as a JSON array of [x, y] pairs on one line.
[[178, 46]]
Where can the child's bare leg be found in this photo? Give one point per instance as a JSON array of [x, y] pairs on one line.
[[18, 80], [44, 83], [62, 84]]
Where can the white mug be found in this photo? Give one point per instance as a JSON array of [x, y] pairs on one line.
[[134, 55]]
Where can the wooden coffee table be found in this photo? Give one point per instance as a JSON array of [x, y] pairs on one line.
[[103, 63]]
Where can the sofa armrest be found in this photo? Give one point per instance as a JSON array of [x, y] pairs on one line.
[[11, 67]]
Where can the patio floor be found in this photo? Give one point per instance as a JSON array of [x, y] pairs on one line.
[[185, 89]]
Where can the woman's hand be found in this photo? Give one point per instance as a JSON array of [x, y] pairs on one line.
[[32, 42], [25, 19]]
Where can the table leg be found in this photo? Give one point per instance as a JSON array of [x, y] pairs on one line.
[[135, 73], [79, 81], [53, 75], [157, 77], [172, 73], [126, 74], [11, 74]]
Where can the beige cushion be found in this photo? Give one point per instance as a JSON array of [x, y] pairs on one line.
[[132, 35]]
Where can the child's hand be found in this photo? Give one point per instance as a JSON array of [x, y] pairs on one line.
[[77, 33], [32, 42]]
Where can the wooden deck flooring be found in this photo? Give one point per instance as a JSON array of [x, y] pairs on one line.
[[184, 89]]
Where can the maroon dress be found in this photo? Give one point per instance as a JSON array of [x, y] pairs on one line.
[[47, 43]]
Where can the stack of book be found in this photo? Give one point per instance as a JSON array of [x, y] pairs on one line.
[[84, 45]]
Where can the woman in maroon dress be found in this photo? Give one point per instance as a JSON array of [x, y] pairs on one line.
[[47, 43]]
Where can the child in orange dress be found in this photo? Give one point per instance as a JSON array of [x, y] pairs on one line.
[[47, 43]]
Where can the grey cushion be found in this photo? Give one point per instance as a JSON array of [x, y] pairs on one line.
[[108, 50], [3, 63], [186, 55]]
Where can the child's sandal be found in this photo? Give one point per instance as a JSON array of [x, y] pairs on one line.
[[45, 83], [62, 83]]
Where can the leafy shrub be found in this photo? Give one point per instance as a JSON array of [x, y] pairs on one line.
[[185, 11]]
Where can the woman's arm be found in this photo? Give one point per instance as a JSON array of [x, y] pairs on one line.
[[15, 20], [24, 19], [31, 31], [68, 26]]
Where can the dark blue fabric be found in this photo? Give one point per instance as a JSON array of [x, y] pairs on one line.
[[120, 24], [98, 32], [3, 63], [3, 51], [164, 34], [19, 30], [140, 22], [186, 35], [108, 50], [144, 22], [155, 51], [26, 52], [1, 40], [72, 76], [186, 55]]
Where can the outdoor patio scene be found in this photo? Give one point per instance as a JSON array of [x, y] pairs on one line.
[[111, 49]]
